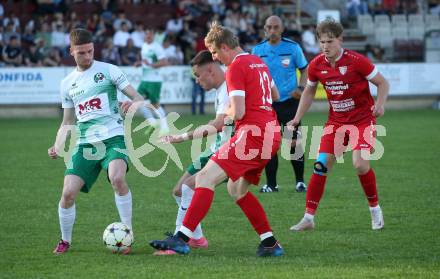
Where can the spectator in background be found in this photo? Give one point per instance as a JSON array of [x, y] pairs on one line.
[[173, 54], [121, 36], [159, 35], [32, 57], [28, 37], [44, 34], [197, 93], [375, 7], [187, 40], [10, 32], [110, 53], [12, 53], [407, 7], [355, 8], [57, 20], [93, 23], [73, 22], [104, 31], [309, 41], [174, 25], [389, 6], [138, 34], [232, 21], [251, 10], [51, 6], [122, 18], [14, 20], [216, 6], [52, 58], [130, 54], [59, 39]]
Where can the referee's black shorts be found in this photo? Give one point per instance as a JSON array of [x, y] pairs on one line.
[[286, 111]]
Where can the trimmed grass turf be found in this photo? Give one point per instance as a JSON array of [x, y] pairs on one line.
[[342, 246]]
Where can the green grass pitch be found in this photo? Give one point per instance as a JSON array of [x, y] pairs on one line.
[[342, 246]]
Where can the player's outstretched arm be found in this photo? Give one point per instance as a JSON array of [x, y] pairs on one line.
[[212, 127], [66, 125], [383, 88], [131, 93]]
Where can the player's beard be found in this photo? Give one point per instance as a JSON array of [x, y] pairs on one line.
[[274, 38]]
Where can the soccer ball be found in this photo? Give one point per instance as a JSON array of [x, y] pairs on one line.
[[118, 237]]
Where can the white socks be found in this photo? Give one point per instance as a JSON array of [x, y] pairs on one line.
[[67, 215], [148, 114], [124, 205], [180, 214], [163, 118], [187, 194], [159, 113], [309, 217], [67, 219]]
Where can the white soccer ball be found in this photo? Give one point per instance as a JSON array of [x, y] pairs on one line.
[[118, 237]]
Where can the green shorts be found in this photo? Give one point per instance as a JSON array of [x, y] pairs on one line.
[[150, 90], [199, 163], [88, 165]]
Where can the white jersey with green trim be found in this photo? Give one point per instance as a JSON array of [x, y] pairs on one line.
[[221, 105], [93, 94], [152, 53]]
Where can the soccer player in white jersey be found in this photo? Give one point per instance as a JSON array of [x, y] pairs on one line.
[[153, 57], [89, 93], [210, 75]]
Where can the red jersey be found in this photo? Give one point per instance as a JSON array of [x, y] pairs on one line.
[[249, 76], [346, 85]]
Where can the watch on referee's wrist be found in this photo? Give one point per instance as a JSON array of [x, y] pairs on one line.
[[300, 88]]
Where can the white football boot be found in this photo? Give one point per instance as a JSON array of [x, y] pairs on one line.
[[377, 222], [303, 225]]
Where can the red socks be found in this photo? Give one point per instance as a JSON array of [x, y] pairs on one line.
[[368, 182], [200, 204], [255, 213], [314, 192], [316, 189]]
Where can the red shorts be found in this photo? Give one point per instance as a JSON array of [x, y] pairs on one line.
[[336, 139], [248, 151]]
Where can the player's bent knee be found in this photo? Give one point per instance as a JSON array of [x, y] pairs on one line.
[[68, 197], [361, 168], [203, 179], [320, 166], [118, 182]]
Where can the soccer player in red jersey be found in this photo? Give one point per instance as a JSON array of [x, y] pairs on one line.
[[352, 114], [242, 159]]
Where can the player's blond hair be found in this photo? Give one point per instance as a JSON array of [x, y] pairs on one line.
[[330, 27], [219, 34], [80, 36]]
